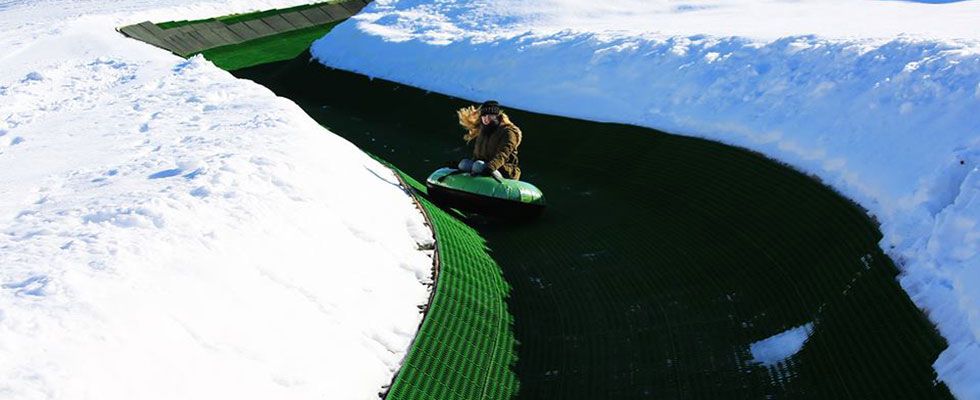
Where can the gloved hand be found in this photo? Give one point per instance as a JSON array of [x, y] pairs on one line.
[[494, 173], [479, 168]]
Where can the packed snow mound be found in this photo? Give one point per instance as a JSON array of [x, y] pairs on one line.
[[170, 232], [879, 99], [451, 21]]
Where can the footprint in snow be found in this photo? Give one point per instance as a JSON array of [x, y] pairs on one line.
[[166, 173], [200, 192], [33, 286], [33, 76]]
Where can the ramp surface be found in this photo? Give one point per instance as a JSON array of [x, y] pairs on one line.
[[186, 38]]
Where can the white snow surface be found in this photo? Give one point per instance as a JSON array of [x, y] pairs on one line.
[[783, 345], [170, 232], [879, 99]]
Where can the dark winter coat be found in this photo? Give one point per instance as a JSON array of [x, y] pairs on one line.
[[498, 148]]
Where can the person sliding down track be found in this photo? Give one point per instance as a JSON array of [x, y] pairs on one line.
[[489, 183], [497, 140]]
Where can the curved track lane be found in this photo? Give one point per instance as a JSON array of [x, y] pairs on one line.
[[661, 258]]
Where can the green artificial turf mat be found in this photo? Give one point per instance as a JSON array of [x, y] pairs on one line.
[[660, 259], [267, 49], [465, 346]]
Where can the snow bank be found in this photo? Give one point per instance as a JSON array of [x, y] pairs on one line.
[[170, 232], [881, 100]]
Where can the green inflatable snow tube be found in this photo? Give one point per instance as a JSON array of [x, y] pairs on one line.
[[503, 198]]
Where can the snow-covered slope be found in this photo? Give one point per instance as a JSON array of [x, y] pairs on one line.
[[170, 232], [880, 99]]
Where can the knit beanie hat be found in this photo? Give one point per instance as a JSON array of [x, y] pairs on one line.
[[490, 107]]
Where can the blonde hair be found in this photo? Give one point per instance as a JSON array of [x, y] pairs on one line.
[[469, 119]]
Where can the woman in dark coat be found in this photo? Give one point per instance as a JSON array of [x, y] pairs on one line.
[[497, 139]]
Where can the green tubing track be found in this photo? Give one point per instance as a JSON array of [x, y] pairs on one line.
[[465, 346], [660, 259], [283, 46]]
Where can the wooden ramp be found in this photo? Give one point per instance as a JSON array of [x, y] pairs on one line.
[[195, 37]]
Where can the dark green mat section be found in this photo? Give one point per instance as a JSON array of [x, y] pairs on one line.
[[465, 347], [283, 46], [659, 261]]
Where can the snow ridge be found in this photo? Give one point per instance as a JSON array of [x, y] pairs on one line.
[[169, 231]]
